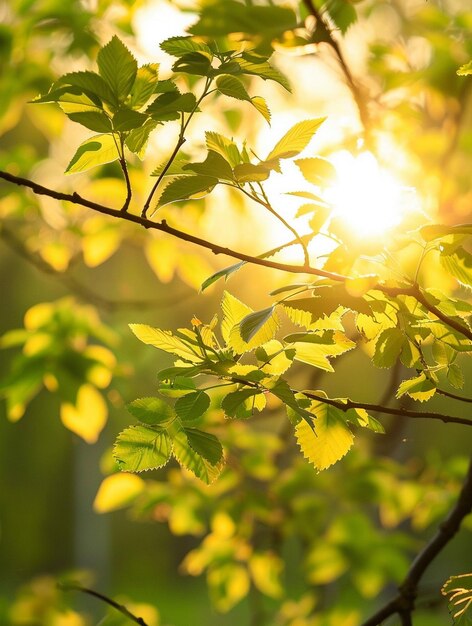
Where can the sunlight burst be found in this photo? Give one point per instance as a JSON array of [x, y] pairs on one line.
[[366, 197]]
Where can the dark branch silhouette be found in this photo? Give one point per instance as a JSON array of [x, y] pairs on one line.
[[404, 603], [412, 290], [119, 607], [377, 408]]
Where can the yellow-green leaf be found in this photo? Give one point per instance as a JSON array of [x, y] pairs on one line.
[[331, 439], [96, 150]]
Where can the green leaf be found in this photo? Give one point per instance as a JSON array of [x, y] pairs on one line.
[[296, 139], [213, 165], [140, 448], [224, 273], [254, 322], [388, 347], [126, 119], [281, 390], [97, 121], [169, 105], [185, 187], [232, 87], [90, 82], [192, 406], [144, 86], [260, 104], [326, 300], [465, 70], [315, 349], [72, 100], [95, 151], [331, 440], [165, 340], [361, 418], [152, 411], [455, 376], [138, 138], [118, 67], [250, 172], [235, 403], [419, 388], [342, 13], [259, 66], [223, 146], [233, 313], [196, 63], [176, 167], [317, 171], [193, 460], [459, 264], [205, 444], [180, 46], [458, 590]]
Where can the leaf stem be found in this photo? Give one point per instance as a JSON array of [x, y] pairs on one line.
[[119, 607], [180, 142]]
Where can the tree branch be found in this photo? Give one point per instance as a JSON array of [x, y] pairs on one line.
[[334, 45], [377, 408], [404, 602], [163, 226], [119, 607]]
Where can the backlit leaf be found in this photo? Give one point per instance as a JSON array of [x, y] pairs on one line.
[[140, 448], [205, 444], [252, 65], [146, 80], [165, 340], [97, 150], [180, 46], [91, 83], [465, 70], [88, 416], [118, 67], [223, 146], [138, 138], [459, 264], [419, 388], [214, 165], [331, 440], [296, 139], [152, 411], [253, 322], [250, 172], [236, 404], [192, 405], [192, 460], [388, 347], [224, 273], [126, 119], [317, 171], [169, 105], [117, 491], [458, 590], [185, 187]]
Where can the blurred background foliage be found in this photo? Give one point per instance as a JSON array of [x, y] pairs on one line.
[[271, 541]]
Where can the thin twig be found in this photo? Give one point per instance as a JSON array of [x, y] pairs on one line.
[[454, 396], [75, 198], [119, 607], [332, 42], [404, 602], [180, 142], [377, 408]]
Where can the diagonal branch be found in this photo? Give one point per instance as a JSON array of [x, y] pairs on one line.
[[404, 602], [378, 408], [119, 607], [411, 290]]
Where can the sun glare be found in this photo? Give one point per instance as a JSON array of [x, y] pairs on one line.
[[366, 197]]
